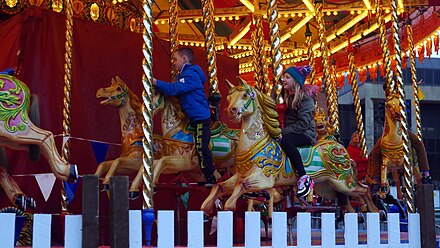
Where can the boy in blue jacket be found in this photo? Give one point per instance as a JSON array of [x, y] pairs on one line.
[[190, 91]]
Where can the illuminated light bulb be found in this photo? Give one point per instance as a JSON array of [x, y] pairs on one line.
[[387, 11], [335, 13], [300, 14], [307, 13], [223, 18], [162, 22], [156, 22], [230, 18], [217, 19], [292, 15], [359, 12], [373, 11], [237, 18], [182, 21], [197, 44], [115, 2], [352, 12], [264, 16], [190, 21], [197, 20], [328, 13]]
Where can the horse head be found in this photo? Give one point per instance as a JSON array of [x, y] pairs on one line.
[[321, 122], [115, 95], [242, 101], [392, 107]]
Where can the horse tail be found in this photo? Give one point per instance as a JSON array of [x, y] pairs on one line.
[[34, 116]]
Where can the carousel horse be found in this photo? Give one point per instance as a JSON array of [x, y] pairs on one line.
[[14, 193], [178, 154], [18, 132], [261, 164], [325, 135], [119, 96], [387, 153]]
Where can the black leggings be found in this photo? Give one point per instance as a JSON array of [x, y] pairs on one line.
[[203, 138], [289, 144]]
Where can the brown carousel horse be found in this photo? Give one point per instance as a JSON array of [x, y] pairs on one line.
[[387, 153], [18, 132], [119, 96], [178, 153], [262, 165]]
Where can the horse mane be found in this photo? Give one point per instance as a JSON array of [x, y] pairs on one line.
[[270, 115], [178, 108], [135, 104]]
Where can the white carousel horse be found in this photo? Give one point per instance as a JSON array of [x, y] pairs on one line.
[[19, 133], [261, 163]]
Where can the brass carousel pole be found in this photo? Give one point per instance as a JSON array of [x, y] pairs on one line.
[[209, 27], [356, 101], [67, 96], [256, 62], [407, 165], [147, 125], [310, 53], [275, 44], [415, 86], [326, 80], [174, 34], [389, 83], [334, 82], [264, 77]]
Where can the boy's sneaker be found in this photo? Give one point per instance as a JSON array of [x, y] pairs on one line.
[[305, 185], [210, 181]]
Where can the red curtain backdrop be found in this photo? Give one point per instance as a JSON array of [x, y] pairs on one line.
[[33, 43]]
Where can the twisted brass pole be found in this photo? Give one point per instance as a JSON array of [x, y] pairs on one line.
[[147, 108], [264, 75], [174, 34], [209, 27], [326, 80], [389, 82], [407, 165], [67, 95], [335, 105], [310, 53], [256, 62], [357, 104], [415, 86], [275, 43]]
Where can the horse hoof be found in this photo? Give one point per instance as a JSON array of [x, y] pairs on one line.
[[20, 202], [105, 187], [133, 195], [30, 202], [73, 174]]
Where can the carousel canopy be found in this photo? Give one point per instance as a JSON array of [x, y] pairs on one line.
[[235, 21]]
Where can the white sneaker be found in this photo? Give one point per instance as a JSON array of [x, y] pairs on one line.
[[305, 185]]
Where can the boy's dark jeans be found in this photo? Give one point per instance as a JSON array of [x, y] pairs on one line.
[[202, 140]]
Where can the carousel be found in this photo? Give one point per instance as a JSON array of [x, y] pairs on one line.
[[119, 164]]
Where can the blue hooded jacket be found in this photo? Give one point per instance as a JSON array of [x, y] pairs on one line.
[[189, 89]]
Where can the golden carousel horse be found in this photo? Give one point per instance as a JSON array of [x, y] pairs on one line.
[[119, 96], [387, 153], [178, 152], [261, 164], [18, 132], [12, 190], [325, 135]]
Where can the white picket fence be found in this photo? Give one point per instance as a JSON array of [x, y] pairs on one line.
[[279, 230]]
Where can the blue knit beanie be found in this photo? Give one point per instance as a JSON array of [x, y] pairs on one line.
[[299, 73]]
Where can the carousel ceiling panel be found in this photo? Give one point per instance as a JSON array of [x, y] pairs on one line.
[[234, 20]]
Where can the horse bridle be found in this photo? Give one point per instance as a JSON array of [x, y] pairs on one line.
[[249, 91], [122, 95]]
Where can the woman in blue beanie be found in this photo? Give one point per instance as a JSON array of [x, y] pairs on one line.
[[299, 129]]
